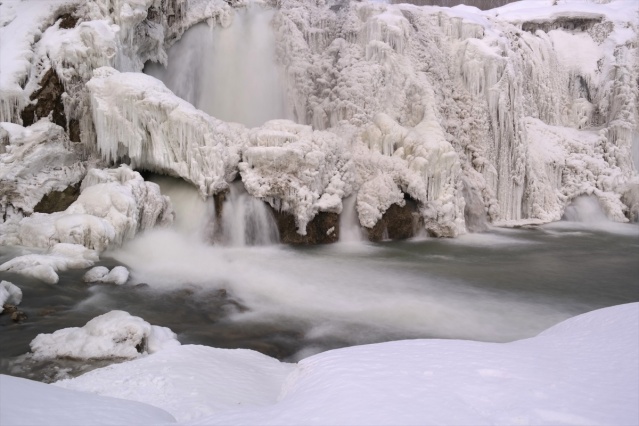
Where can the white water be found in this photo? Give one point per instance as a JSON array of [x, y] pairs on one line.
[[350, 229], [247, 220], [229, 73]]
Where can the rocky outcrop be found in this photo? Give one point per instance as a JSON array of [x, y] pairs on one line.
[[323, 229], [57, 201], [397, 223], [46, 100]]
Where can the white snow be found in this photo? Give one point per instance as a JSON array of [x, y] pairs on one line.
[[100, 274], [116, 334], [60, 257], [581, 371], [9, 294], [26, 402]]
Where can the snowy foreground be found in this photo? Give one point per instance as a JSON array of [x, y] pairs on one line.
[[581, 371]]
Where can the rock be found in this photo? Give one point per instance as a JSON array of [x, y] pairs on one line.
[[48, 98], [68, 21], [322, 229], [10, 296], [58, 201], [18, 316], [397, 223]]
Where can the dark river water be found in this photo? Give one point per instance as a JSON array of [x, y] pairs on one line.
[[289, 303]]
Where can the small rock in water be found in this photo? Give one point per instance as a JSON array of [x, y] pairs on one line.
[[18, 316]]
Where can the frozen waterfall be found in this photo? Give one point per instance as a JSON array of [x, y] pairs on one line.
[[246, 220], [229, 73]]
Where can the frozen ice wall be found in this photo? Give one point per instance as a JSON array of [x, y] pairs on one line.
[[229, 73]]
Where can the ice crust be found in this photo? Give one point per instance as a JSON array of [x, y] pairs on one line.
[[116, 334], [521, 108], [581, 371]]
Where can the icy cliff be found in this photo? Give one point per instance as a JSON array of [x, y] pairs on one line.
[[503, 115]]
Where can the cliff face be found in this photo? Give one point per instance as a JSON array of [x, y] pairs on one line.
[[504, 115]]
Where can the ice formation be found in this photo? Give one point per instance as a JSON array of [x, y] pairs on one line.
[[514, 111], [45, 266], [9, 294], [116, 334], [448, 382], [101, 274]]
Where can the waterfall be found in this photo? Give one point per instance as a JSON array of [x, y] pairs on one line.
[[246, 220], [585, 209], [229, 73], [349, 227]]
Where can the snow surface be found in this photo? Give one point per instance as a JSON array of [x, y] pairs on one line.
[[9, 294], [26, 402], [581, 371], [116, 334]]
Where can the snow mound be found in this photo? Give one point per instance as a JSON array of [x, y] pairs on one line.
[[115, 334], [26, 402], [9, 294], [100, 274], [60, 257], [581, 371], [214, 380]]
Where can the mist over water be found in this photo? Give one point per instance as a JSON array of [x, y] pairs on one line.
[[229, 73]]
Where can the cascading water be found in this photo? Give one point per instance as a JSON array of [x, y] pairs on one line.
[[229, 73], [350, 229], [585, 209], [246, 220]]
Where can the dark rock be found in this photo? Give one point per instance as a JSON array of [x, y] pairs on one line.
[[397, 223], [48, 99], [323, 229], [57, 201], [46, 312], [18, 316], [68, 21], [74, 130], [9, 309], [564, 23]]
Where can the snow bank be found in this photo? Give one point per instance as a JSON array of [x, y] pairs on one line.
[[582, 371], [26, 402], [9, 294], [116, 334], [100, 274], [60, 257], [190, 381]]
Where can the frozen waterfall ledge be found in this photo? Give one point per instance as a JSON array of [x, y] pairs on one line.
[[581, 371]]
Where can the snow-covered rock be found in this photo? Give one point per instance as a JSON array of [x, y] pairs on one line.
[[116, 334], [581, 371], [100, 274], [35, 161], [114, 204], [60, 257], [9, 294]]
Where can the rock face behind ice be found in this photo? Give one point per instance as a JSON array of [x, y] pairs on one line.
[[116, 334]]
